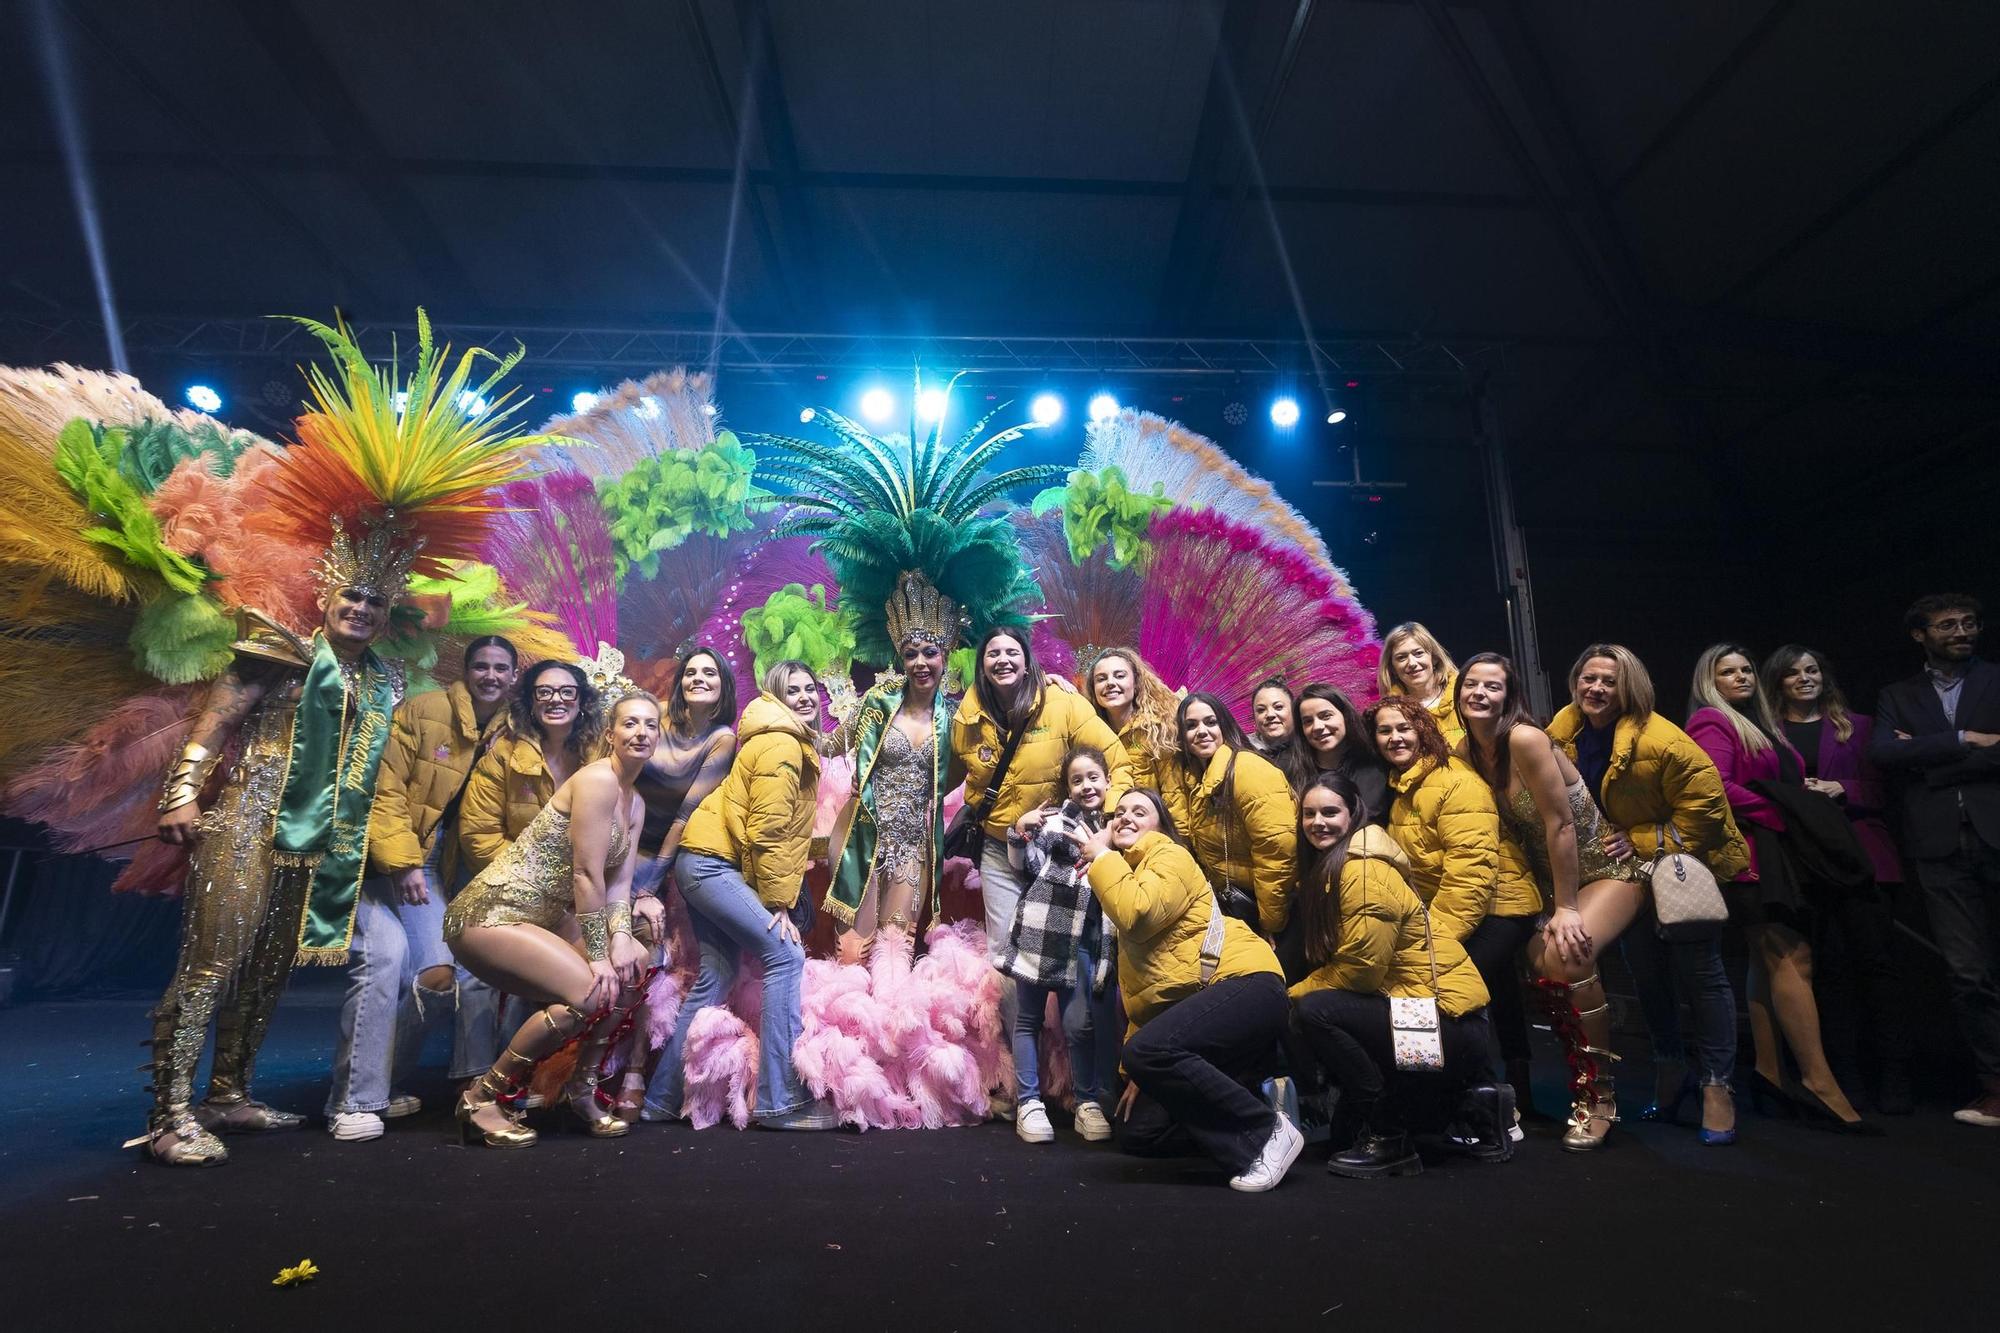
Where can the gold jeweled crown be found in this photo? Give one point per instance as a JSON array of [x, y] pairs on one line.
[[917, 610], [379, 563], [606, 674]]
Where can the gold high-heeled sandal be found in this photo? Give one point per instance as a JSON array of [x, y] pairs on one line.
[[489, 1090]]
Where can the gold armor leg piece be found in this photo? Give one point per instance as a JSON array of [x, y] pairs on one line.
[[246, 1017], [180, 1024]]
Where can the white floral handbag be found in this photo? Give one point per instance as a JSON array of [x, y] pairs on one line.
[[1414, 1030]]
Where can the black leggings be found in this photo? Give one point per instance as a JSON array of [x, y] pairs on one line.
[[1494, 947], [1349, 1035]]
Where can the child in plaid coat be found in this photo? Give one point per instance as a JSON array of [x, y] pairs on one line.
[[1061, 945]]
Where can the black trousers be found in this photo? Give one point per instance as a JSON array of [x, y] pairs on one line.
[[1851, 943], [1197, 1066], [1494, 946], [1349, 1035], [1963, 891]]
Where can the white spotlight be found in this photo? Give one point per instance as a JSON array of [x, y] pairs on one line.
[[930, 405], [1047, 409], [203, 399], [878, 405], [400, 400], [1335, 417], [806, 414], [583, 402], [649, 407], [471, 404], [709, 409], [1285, 413], [1103, 407]]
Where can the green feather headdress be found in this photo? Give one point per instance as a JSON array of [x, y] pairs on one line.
[[883, 507]]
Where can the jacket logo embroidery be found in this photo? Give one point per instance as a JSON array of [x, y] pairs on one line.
[[442, 753]]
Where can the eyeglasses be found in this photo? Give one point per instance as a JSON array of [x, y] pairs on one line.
[[548, 694], [1957, 624]]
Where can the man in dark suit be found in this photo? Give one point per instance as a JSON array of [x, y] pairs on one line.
[[1939, 732]]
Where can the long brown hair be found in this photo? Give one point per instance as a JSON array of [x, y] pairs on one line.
[[1832, 699], [1308, 759], [1431, 746], [1153, 703], [1011, 711], [1232, 734], [679, 718], [1317, 902], [1499, 771]]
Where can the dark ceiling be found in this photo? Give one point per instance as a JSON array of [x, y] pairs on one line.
[[1725, 268]]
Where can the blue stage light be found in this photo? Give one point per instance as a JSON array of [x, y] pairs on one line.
[[649, 407], [1047, 409], [583, 402], [806, 414], [1285, 412], [1103, 407], [203, 399], [471, 404], [930, 405], [877, 405]]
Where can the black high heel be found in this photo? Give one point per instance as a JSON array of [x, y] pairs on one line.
[[1770, 1099], [1669, 1112], [1819, 1115]]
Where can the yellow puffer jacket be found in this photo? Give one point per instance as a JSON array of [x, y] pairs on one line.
[[1659, 775], [1155, 894], [1445, 710], [1061, 719], [1147, 767], [508, 787], [1256, 846], [1382, 950], [424, 764], [1444, 819], [760, 819]]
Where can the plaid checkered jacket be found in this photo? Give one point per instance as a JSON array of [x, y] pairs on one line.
[[1057, 911]]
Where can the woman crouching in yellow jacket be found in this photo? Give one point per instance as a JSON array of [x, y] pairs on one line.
[[1236, 810], [1367, 940], [1205, 998], [742, 862]]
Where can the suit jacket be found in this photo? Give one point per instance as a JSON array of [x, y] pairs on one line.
[[1864, 795], [1945, 782]]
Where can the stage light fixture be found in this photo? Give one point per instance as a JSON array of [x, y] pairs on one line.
[[203, 399], [1103, 407], [877, 405], [1285, 412], [1335, 417], [806, 414], [583, 402], [1235, 413], [470, 403], [400, 400], [930, 405], [1047, 409]]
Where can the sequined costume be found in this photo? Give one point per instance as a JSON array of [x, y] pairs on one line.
[[886, 847], [1524, 820], [532, 882]]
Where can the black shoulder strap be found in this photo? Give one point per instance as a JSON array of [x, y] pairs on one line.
[[1007, 748]]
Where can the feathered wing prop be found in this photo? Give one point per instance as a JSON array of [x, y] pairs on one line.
[[1088, 605], [553, 550], [1222, 607], [764, 570], [207, 515], [669, 409], [661, 617], [885, 507], [1192, 472]]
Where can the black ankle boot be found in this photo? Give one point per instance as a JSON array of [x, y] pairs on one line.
[[1487, 1112], [1377, 1150]]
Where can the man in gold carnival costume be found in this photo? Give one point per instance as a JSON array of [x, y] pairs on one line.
[[279, 854]]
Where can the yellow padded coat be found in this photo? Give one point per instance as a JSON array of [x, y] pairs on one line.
[[760, 819], [1157, 897], [1445, 821], [425, 764], [1659, 775], [1381, 950], [1061, 719], [1256, 846], [508, 787]]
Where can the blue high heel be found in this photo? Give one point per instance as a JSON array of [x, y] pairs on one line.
[[1720, 1138]]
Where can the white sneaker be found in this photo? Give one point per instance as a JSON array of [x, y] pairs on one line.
[[355, 1126], [1980, 1112], [1090, 1123], [1280, 1151], [1031, 1122], [400, 1105]]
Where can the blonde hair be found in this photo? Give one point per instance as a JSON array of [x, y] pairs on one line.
[[606, 743], [1153, 704], [1634, 691], [778, 676], [1442, 666], [1704, 694]]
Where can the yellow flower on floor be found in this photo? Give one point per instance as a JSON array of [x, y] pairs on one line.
[[304, 1271]]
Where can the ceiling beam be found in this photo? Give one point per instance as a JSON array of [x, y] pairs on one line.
[[1718, 78], [771, 112], [310, 73]]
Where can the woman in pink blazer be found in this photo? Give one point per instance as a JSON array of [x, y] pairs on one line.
[[1728, 720]]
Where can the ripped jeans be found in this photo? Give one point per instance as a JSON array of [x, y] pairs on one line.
[[387, 1015]]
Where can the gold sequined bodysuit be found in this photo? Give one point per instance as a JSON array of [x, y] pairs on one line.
[[532, 881], [1525, 821]]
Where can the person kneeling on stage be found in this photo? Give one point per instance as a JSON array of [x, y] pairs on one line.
[[1205, 997], [1368, 938], [574, 856]]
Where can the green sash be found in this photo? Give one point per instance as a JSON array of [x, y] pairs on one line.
[[854, 860], [337, 745]]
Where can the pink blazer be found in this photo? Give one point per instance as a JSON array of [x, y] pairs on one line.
[[1865, 797], [1740, 768]]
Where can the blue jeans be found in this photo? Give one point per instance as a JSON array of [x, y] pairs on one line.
[[386, 1015], [1666, 972], [729, 921], [1090, 1027], [1000, 887]]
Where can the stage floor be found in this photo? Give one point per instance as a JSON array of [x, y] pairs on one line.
[[957, 1229]]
